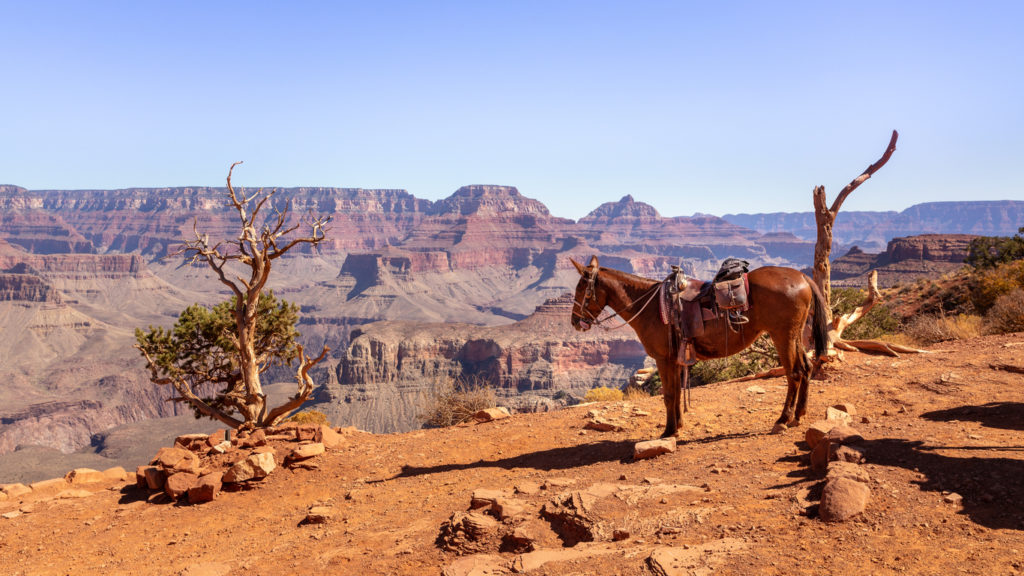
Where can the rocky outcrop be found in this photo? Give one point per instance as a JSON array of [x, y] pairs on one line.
[[391, 369], [951, 248], [906, 259], [18, 286]]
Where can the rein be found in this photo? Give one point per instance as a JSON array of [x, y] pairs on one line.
[[592, 286]]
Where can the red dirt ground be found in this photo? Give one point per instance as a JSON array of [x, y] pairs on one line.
[[951, 421]]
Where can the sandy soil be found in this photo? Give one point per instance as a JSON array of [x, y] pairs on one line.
[[948, 422]]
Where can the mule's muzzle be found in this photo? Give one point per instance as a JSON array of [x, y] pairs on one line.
[[581, 325]]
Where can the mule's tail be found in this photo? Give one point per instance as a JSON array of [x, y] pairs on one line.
[[819, 327]]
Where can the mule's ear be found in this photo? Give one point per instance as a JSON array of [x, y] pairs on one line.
[[579, 267], [593, 263]]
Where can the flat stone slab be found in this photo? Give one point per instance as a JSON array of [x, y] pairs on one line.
[[652, 448]]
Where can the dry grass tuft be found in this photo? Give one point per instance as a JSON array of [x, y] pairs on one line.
[[1007, 313], [308, 417], [455, 402], [603, 394], [929, 329]]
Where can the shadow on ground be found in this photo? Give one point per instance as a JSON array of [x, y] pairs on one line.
[[1005, 415], [564, 458], [992, 486]]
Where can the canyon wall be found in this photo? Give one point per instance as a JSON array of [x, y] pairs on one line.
[[392, 369]]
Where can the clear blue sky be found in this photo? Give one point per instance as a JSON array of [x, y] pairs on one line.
[[710, 107]]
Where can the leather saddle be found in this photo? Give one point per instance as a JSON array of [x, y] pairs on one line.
[[688, 302]]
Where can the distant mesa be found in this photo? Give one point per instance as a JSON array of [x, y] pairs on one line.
[[488, 200], [626, 207]]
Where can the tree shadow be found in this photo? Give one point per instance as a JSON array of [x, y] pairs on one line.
[[1005, 415], [992, 487]]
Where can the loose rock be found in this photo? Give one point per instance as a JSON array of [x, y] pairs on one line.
[[652, 448], [838, 415], [304, 451], [602, 425], [84, 476], [254, 467], [179, 483], [319, 515], [206, 488], [843, 499], [329, 438], [491, 414], [817, 431], [847, 407]]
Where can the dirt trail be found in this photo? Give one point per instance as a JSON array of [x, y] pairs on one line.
[[731, 499]]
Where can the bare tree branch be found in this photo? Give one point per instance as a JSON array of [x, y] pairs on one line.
[[305, 387], [868, 172]]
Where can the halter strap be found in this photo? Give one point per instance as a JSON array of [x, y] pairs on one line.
[[590, 292]]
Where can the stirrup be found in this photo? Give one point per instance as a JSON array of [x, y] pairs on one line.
[[737, 318]]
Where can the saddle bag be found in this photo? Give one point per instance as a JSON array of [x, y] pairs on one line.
[[732, 294]]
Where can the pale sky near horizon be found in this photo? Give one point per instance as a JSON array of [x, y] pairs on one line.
[[712, 107]]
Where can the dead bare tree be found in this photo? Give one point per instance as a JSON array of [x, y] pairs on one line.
[[244, 265], [825, 217]]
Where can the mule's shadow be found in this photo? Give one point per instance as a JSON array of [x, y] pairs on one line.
[[547, 460], [1005, 415], [564, 458]]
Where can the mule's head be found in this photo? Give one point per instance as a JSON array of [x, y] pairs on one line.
[[588, 300]]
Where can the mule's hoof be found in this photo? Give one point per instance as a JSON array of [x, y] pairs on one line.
[[667, 434], [779, 428]]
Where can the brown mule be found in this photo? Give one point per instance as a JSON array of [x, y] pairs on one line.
[[780, 299]]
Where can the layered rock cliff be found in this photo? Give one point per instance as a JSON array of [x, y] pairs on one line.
[[905, 260], [391, 368]]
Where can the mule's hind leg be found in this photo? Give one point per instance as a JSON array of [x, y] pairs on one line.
[[669, 373], [806, 370], [788, 358]]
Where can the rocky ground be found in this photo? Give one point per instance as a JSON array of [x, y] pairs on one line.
[[943, 446]]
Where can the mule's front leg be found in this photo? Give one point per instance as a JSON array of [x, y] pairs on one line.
[[670, 393]]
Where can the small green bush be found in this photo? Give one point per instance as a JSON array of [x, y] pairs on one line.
[[1007, 313], [991, 251], [603, 394]]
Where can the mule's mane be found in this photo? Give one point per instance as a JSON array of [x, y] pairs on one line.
[[629, 280]]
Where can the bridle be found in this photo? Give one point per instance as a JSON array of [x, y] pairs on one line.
[[591, 291]]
